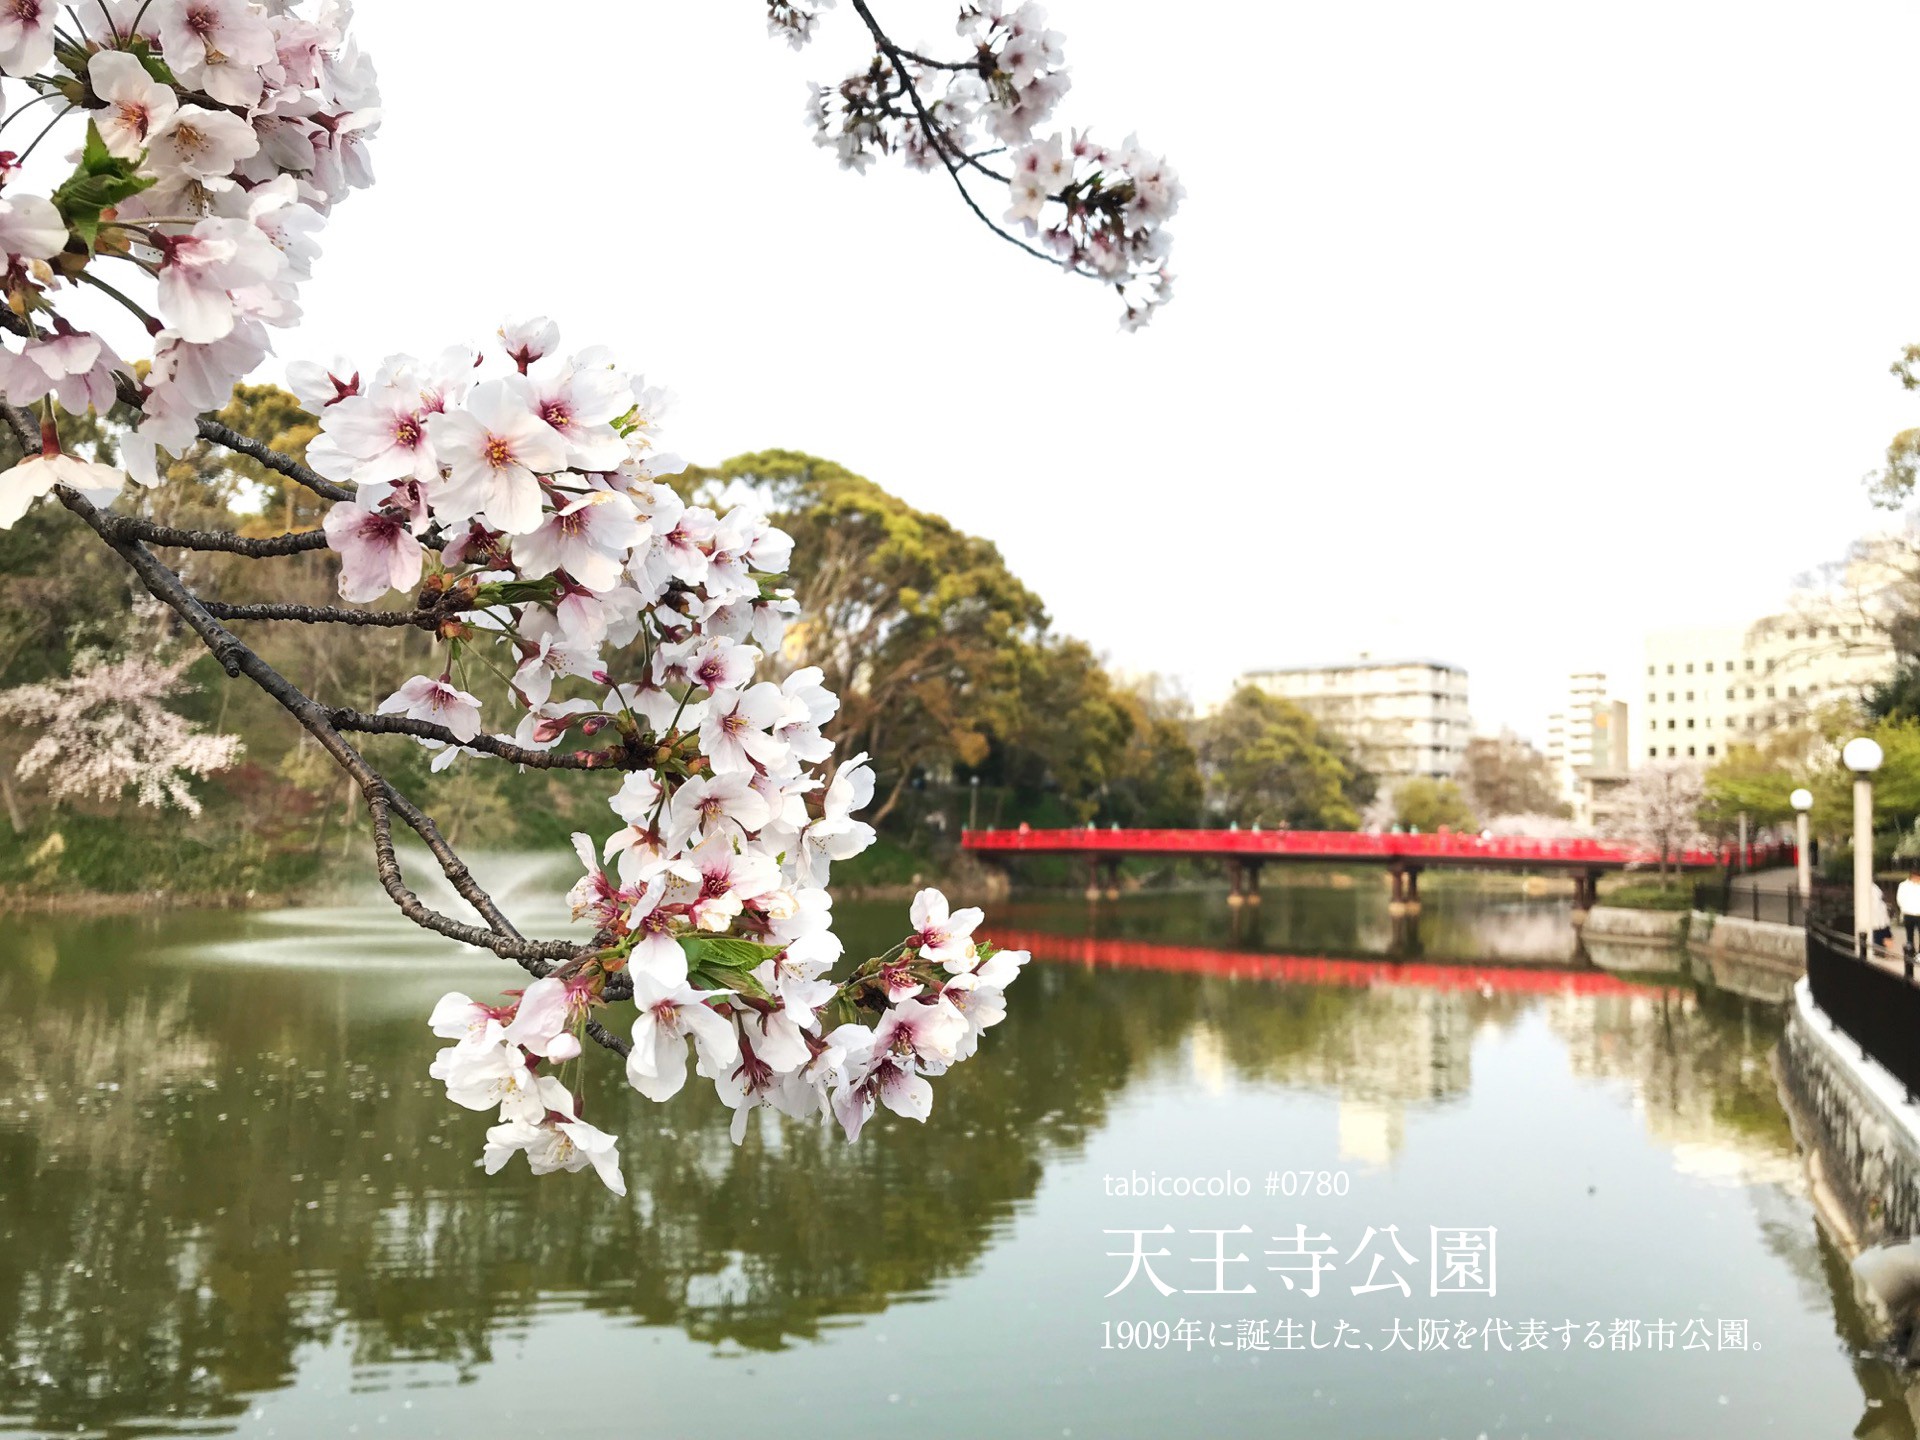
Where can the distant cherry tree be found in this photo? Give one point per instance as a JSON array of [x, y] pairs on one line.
[[1661, 806]]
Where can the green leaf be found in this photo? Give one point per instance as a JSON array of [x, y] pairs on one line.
[[100, 182], [726, 950], [720, 962], [155, 66]]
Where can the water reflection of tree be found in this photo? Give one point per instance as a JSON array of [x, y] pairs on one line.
[[257, 1178], [1697, 1060], [276, 1170]]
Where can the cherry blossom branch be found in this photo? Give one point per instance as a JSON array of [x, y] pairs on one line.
[[230, 439], [950, 156], [293, 542], [236, 658], [359, 720], [326, 614], [1095, 210]]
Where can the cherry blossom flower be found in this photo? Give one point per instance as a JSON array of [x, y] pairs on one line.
[[589, 539], [494, 447], [553, 1144], [543, 1020], [26, 35], [715, 805], [34, 476], [216, 46], [736, 732], [377, 550], [526, 341], [940, 936], [30, 228], [199, 148], [438, 702], [136, 103], [668, 1016], [203, 270], [836, 835]]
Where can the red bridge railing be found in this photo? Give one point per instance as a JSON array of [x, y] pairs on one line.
[[1351, 845]]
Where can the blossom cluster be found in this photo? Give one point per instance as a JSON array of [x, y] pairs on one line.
[[1098, 209], [104, 729], [525, 502], [210, 140]]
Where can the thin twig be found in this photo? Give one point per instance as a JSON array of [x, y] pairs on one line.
[[361, 721]]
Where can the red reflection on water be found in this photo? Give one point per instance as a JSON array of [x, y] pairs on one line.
[[1319, 969]]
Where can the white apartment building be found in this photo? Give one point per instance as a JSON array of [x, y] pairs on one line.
[[1402, 717], [1708, 689], [1582, 734]]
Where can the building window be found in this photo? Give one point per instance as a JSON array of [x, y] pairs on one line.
[[1709, 667], [1653, 752], [1729, 692], [1749, 664], [1653, 724], [1709, 750], [1749, 692], [1650, 669], [1689, 667], [1769, 692], [1671, 725], [1689, 722], [1793, 692], [1669, 669], [1689, 695], [1689, 750], [1792, 634], [1651, 697], [1669, 697], [1671, 751]]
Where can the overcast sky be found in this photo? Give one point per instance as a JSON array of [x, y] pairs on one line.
[[1504, 332]]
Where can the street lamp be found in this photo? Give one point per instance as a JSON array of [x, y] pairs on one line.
[[973, 802], [1802, 802], [1863, 757]]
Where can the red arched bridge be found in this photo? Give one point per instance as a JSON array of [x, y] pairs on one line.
[[1244, 852]]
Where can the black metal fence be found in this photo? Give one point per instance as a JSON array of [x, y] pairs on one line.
[[1781, 907], [1874, 1001]]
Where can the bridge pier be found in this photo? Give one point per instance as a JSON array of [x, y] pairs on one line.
[[1406, 890], [1243, 881], [1586, 894], [1103, 878]]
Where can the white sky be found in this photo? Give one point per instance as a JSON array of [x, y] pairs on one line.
[[1504, 332]]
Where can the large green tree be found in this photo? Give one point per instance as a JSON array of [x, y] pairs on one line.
[[921, 629], [1425, 804], [1267, 762]]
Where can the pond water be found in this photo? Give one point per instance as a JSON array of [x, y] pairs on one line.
[[232, 1202]]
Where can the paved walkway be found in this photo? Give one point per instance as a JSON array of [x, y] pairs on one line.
[[1767, 882]]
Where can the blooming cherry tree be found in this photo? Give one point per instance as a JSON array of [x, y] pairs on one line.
[[511, 501]]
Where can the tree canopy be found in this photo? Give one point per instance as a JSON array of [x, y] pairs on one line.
[[1268, 762]]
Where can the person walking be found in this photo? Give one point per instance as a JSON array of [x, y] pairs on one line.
[[1880, 921], [1907, 897]]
